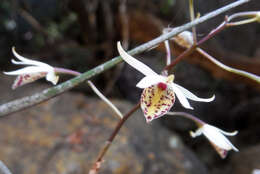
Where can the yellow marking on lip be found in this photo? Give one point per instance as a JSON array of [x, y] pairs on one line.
[[155, 102]]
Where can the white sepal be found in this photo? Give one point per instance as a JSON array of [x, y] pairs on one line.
[[191, 96], [25, 61], [26, 70], [216, 137], [141, 67], [228, 133], [182, 98]]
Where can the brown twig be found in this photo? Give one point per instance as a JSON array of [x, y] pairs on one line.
[[112, 137]]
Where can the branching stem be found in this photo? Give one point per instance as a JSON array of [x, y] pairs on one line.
[[25, 102], [196, 45]]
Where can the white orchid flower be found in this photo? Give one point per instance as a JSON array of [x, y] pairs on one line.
[[184, 39], [34, 71], [159, 91], [216, 138]]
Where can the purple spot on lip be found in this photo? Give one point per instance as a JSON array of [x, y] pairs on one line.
[[162, 86]]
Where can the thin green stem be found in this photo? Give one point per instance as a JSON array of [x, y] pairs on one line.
[[25, 102]]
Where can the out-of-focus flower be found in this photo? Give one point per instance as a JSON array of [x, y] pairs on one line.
[[184, 39], [256, 171], [216, 138], [159, 91], [258, 16], [34, 71]]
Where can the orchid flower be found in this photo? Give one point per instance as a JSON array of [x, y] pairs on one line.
[[34, 71], [216, 138], [213, 134], [159, 91]]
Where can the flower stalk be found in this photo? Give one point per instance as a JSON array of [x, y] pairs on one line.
[[112, 137]]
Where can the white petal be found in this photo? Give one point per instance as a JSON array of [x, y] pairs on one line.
[[216, 137], [26, 61], [22, 63], [134, 62], [52, 77], [198, 132], [17, 63], [191, 96], [228, 133], [150, 80], [27, 70], [182, 98]]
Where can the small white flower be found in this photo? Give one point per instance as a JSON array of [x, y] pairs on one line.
[[184, 39], [256, 171], [159, 91], [216, 138], [258, 16], [34, 71]]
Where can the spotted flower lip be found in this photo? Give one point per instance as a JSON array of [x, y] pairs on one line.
[[152, 78], [34, 70], [217, 138]]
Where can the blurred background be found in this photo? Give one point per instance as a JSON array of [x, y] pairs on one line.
[[64, 134]]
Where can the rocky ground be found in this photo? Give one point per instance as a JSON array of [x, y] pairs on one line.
[[65, 134]]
